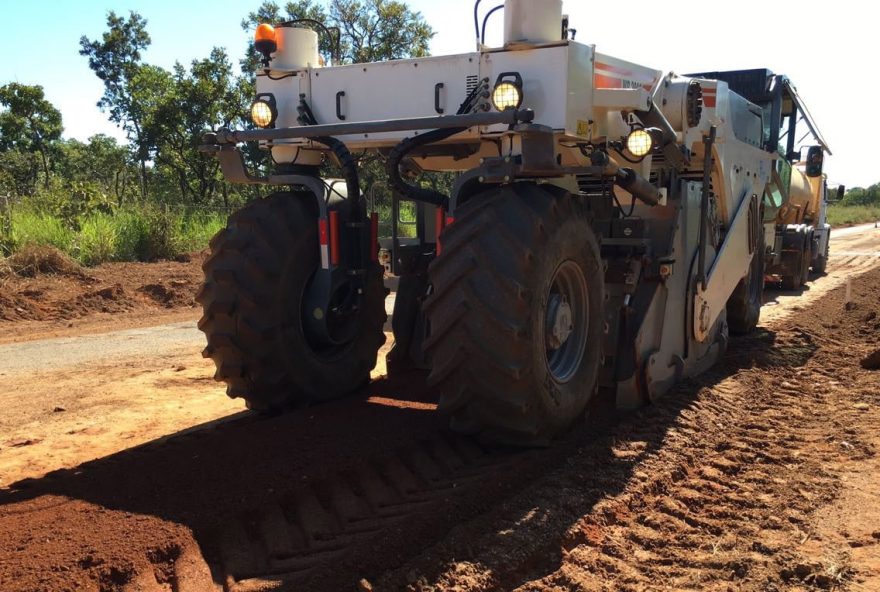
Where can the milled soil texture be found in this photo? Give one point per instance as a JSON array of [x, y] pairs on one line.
[[51, 300], [762, 474]]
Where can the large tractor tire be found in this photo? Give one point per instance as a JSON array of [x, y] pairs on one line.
[[744, 305], [255, 279], [798, 265], [515, 317]]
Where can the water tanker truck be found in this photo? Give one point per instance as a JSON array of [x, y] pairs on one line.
[[603, 236]]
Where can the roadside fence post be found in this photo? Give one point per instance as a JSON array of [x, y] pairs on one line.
[[5, 224]]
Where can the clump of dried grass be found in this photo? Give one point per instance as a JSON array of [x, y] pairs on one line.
[[5, 269], [33, 260]]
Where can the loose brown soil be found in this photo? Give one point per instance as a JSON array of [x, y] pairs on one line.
[[760, 475], [46, 296]]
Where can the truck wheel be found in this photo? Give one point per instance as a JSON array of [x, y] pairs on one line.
[[807, 256], [744, 305], [821, 263], [255, 279], [516, 320], [795, 277]]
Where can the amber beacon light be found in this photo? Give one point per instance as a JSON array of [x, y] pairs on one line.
[[265, 43]]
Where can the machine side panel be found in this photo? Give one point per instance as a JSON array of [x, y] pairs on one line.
[[544, 74], [612, 72], [392, 90]]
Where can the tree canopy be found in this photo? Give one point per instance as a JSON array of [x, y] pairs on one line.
[[116, 60], [861, 196], [165, 111], [29, 123]]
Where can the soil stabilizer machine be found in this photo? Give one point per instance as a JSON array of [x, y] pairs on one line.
[[602, 237]]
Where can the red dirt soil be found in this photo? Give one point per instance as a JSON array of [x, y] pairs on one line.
[[760, 475], [127, 294]]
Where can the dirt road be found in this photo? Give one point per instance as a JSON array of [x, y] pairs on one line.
[[761, 475]]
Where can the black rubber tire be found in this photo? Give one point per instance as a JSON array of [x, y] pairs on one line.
[[487, 314], [807, 258], [744, 305], [821, 263], [259, 267], [798, 261]]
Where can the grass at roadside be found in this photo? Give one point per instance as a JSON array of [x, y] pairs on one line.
[[128, 234], [839, 215]]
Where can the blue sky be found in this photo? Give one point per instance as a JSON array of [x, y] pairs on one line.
[[835, 76]]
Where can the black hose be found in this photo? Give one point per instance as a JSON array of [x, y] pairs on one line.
[[392, 166], [347, 162], [486, 22], [414, 192], [477, 19]]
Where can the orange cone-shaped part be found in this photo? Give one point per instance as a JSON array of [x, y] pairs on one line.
[[264, 40], [265, 32]]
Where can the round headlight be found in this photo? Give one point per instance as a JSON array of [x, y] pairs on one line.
[[262, 114], [507, 95], [639, 143]]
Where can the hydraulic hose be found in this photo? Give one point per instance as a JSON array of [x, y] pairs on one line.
[[347, 162], [397, 155], [392, 167]]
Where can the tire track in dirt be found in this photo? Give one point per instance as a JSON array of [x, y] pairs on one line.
[[316, 524], [723, 498], [299, 501]]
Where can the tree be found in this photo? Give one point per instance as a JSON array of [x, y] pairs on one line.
[[102, 160], [376, 30], [29, 122], [116, 60], [859, 196], [19, 172], [208, 96]]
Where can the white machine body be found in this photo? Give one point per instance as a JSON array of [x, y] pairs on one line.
[[584, 96]]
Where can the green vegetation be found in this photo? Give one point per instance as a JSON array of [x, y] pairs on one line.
[[844, 215], [860, 196], [860, 205], [127, 234]]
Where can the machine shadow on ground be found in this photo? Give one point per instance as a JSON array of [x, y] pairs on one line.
[[773, 290], [231, 471]]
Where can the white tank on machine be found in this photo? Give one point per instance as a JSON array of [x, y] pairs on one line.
[[297, 49], [531, 22]]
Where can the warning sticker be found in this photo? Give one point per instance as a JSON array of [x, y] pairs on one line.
[[583, 128]]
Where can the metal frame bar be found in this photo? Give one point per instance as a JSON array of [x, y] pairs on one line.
[[509, 117]]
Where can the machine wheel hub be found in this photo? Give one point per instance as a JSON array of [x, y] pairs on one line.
[[566, 322], [560, 321]]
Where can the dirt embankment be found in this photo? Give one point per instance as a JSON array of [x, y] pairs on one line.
[[43, 293], [760, 475]]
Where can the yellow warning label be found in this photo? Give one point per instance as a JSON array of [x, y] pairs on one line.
[[583, 128]]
